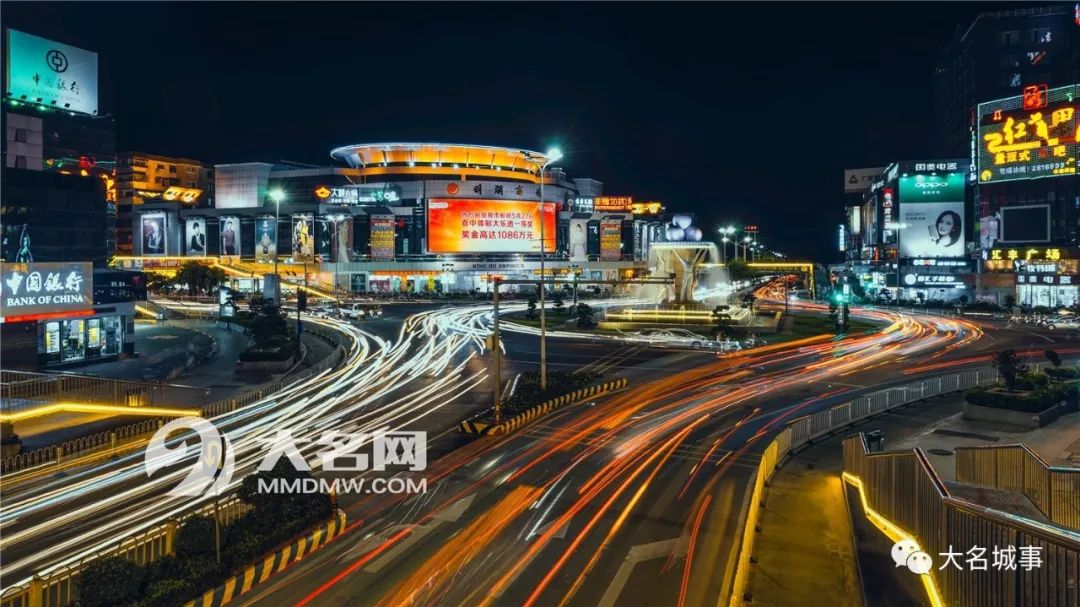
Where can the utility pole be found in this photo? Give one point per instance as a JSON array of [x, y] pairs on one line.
[[496, 353]]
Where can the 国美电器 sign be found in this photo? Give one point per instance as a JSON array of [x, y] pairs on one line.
[[43, 71], [45, 288]]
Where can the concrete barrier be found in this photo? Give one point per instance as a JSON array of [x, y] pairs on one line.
[[484, 428]]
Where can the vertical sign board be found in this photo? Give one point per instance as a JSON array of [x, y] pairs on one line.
[[611, 239], [43, 71], [29, 290], [303, 237], [932, 215], [382, 237], [265, 238]]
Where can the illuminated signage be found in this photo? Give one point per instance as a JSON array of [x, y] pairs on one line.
[[1047, 279], [1030, 136], [947, 187], [613, 204], [45, 288], [187, 195], [647, 208], [937, 280], [382, 237], [751, 228], [464, 225], [1028, 254], [582, 204], [843, 238], [353, 195], [860, 180], [50, 73], [611, 240]]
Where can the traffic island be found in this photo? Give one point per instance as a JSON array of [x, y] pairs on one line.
[[486, 426]]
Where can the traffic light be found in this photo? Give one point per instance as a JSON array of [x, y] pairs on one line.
[[301, 300]]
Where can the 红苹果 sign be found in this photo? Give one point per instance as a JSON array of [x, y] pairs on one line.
[[43, 71], [28, 289]]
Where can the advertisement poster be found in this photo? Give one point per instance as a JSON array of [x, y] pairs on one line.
[[1029, 137], [45, 288], [229, 235], [195, 236], [988, 231], [932, 229], [265, 238], [611, 240], [579, 239], [51, 73], [340, 239], [382, 237], [303, 238], [153, 234], [489, 226], [16, 245]]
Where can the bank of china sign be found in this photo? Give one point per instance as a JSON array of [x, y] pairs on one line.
[[52, 74], [45, 288]]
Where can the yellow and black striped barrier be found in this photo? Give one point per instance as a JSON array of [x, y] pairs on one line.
[[272, 564], [484, 428]]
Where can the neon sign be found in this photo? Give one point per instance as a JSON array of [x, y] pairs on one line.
[[1030, 136]]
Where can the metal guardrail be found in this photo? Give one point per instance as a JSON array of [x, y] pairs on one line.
[[57, 588], [827, 421], [1054, 490], [21, 389], [902, 487]]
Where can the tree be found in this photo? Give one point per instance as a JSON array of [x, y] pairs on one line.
[[1009, 366], [271, 323], [159, 282], [108, 582], [195, 537], [1010, 301], [558, 305], [531, 313], [165, 593], [257, 303], [585, 318], [199, 278], [1054, 359]]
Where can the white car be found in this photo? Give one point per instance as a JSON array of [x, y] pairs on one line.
[[361, 311], [676, 338], [1061, 322]]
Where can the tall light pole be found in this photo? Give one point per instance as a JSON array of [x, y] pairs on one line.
[[277, 195], [724, 242], [553, 155]]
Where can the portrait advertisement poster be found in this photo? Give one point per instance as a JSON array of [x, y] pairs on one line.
[[303, 238], [932, 229], [152, 233], [382, 237], [195, 236], [579, 238], [265, 238], [340, 231], [229, 235]]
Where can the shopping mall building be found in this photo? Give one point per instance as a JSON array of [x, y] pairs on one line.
[[401, 217]]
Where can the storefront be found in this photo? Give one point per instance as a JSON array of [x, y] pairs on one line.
[[72, 340], [1043, 276], [937, 280]]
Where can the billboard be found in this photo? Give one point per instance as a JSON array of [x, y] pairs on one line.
[[859, 180], [303, 237], [28, 289], [265, 238], [195, 236], [340, 231], [579, 239], [53, 74], [153, 234], [465, 225], [932, 229], [1028, 136], [613, 204], [1026, 223], [16, 243], [917, 189], [382, 237], [611, 239], [229, 235]]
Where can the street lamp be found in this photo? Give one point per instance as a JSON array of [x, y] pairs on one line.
[[277, 195], [553, 155], [725, 240]]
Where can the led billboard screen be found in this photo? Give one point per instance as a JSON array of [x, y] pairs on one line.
[[1028, 223], [53, 74], [464, 225], [1028, 140]]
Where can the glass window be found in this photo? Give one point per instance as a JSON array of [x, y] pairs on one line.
[[113, 338], [52, 337], [93, 333], [74, 340]]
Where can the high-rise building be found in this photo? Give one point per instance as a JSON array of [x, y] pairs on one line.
[[994, 57], [145, 178]]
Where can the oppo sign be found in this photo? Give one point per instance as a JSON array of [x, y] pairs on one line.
[[946, 187]]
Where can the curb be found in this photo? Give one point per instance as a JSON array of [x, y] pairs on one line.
[[271, 564], [476, 427]]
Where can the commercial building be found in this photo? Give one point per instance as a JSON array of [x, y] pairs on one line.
[[996, 55], [60, 304], [1027, 197], [142, 177], [401, 217]]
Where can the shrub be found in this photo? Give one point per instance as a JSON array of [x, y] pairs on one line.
[[110, 581], [1029, 402], [166, 593], [265, 354], [1062, 373], [195, 537]]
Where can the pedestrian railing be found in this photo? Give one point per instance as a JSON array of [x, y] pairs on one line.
[[23, 389], [58, 587], [904, 495], [1054, 490]]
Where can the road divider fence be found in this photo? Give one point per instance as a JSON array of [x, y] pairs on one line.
[[482, 427]]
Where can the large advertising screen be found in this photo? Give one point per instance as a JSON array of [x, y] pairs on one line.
[[611, 240], [465, 225], [1029, 136], [229, 235], [265, 238], [303, 237], [1027, 223], [53, 74], [932, 215], [45, 288], [195, 236], [153, 234], [382, 237]]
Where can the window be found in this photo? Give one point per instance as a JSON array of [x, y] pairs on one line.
[[1008, 38], [20, 135], [20, 162], [172, 168]]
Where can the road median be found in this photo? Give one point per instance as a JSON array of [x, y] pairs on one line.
[[486, 427]]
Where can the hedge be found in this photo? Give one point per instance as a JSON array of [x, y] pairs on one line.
[[1033, 401], [1062, 373]]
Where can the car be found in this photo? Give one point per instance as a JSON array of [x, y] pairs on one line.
[[325, 309], [675, 338], [1061, 322], [360, 311]]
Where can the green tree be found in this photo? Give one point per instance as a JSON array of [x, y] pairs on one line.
[[738, 270], [108, 582], [1054, 359], [531, 313], [199, 278], [166, 593], [1009, 366], [584, 315], [257, 303], [1010, 301], [558, 304], [195, 537], [157, 283], [268, 325]]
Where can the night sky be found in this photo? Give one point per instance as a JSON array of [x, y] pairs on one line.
[[737, 113]]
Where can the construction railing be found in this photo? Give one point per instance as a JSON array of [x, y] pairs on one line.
[[906, 498], [1054, 490]]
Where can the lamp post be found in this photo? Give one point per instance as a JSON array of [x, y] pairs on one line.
[[553, 155], [277, 195], [724, 240]]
